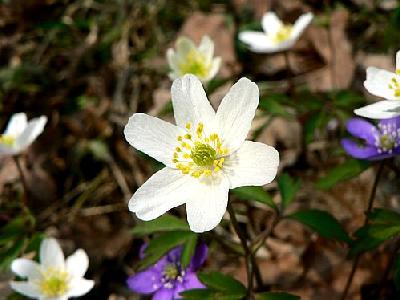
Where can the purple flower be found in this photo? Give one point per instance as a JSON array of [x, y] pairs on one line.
[[377, 142], [166, 279]]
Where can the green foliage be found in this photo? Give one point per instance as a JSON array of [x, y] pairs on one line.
[[255, 193], [219, 286], [288, 188], [383, 225], [188, 250], [164, 223], [163, 243], [349, 169], [276, 296], [275, 105], [396, 272], [323, 223]]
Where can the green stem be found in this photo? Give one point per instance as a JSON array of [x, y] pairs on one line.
[[369, 208], [248, 255]]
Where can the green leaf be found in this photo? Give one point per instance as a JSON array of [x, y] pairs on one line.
[[276, 296], [188, 250], [396, 273], [7, 256], [164, 223], [273, 105], [288, 188], [198, 294], [223, 283], [349, 169], [323, 223], [384, 216], [12, 230], [160, 245], [255, 193], [314, 122]]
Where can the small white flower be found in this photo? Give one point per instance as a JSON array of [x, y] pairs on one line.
[[205, 153], [20, 133], [188, 59], [276, 36], [383, 84], [54, 278]]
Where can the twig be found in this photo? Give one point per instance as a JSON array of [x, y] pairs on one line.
[[369, 208], [17, 160]]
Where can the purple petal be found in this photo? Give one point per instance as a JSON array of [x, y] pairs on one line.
[[192, 282], [362, 129], [174, 255], [356, 151], [164, 294], [394, 121], [199, 257], [145, 282], [142, 251]]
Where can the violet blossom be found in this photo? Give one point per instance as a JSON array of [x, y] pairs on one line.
[[166, 279], [377, 142]]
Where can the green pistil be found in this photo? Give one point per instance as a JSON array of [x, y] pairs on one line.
[[203, 155], [283, 34], [194, 64], [171, 272]]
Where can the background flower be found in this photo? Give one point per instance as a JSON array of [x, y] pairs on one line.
[[378, 142], [54, 278], [383, 84], [276, 36], [166, 278], [20, 133], [188, 59]]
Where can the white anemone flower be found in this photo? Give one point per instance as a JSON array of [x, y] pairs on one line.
[[277, 36], [20, 133], [54, 278], [383, 84], [205, 154], [188, 59]]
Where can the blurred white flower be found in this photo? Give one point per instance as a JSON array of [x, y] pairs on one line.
[[188, 59], [383, 84], [20, 133], [205, 154], [276, 36], [54, 278]]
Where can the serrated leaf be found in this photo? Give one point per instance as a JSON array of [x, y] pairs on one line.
[[276, 296], [288, 188], [255, 193], [160, 245], [162, 224], [323, 223], [188, 250], [349, 169], [223, 283]]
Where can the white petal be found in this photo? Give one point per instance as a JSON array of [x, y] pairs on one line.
[[184, 46], [236, 112], [51, 254], [271, 23], [216, 63], [80, 287], [77, 263], [398, 60], [261, 43], [172, 59], [190, 102], [300, 25], [164, 190], [26, 268], [207, 204], [380, 110], [16, 125], [377, 83], [253, 164], [206, 48], [26, 288], [31, 132], [6, 150], [152, 136]]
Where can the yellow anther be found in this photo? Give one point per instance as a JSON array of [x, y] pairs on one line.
[[175, 160], [178, 149], [188, 126], [187, 156], [188, 136], [398, 71], [207, 172], [216, 169], [179, 138]]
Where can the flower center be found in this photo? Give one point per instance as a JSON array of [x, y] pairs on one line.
[[388, 138], [199, 154], [194, 63], [387, 142], [282, 34], [7, 140], [54, 283], [395, 85], [171, 272]]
